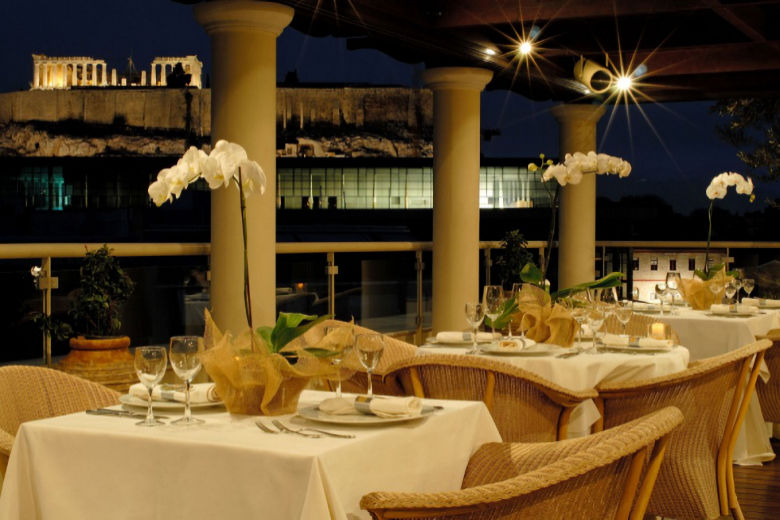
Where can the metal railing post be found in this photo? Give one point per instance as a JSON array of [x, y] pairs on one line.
[[419, 266], [332, 270], [45, 283], [488, 263]]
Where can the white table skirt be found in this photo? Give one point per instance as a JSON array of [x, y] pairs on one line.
[[707, 336], [81, 467], [586, 371]]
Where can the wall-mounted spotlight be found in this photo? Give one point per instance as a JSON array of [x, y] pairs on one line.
[[526, 46], [596, 78]]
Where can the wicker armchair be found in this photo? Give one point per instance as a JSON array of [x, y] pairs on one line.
[[769, 392], [696, 480], [590, 477], [636, 326], [524, 406], [395, 350], [29, 392]]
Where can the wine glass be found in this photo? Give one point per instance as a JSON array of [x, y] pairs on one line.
[[623, 311], [338, 357], [516, 288], [673, 283], [369, 348], [150, 364], [185, 352], [748, 284], [474, 315], [596, 317], [730, 290], [661, 290], [492, 298], [738, 285]]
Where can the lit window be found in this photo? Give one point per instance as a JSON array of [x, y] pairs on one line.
[[654, 263]]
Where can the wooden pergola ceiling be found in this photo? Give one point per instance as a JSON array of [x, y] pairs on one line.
[[693, 49]]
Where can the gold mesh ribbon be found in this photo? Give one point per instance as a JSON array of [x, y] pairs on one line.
[[698, 293], [541, 320], [250, 379]]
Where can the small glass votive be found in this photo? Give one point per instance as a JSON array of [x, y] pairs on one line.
[[659, 330]]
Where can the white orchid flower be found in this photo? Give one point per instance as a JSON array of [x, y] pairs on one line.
[[177, 179], [229, 156], [213, 174], [191, 162], [252, 177], [158, 192], [745, 186]]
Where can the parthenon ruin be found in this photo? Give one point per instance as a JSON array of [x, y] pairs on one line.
[[63, 72]]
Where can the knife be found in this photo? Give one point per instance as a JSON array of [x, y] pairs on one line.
[[121, 413]]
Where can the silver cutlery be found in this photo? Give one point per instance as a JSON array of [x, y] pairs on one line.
[[264, 427], [285, 429], [568, 354], [325, 432], [121, 413]]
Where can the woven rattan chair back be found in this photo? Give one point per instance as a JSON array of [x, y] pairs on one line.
[[524, 406], [395, 351], [769, 391], [695, 481], [578, 479], [29, 392], [638, 325]]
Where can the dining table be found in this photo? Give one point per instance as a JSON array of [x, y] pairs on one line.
[[708, 334], [83, 466], [577, 369]]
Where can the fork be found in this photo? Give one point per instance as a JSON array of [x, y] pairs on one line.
[[264, 427], [310, 429], [285, 429]]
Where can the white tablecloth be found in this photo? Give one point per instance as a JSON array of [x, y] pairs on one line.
[[708, 335], [82, 467], [586, 371]]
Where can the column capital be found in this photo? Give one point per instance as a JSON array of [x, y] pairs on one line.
[[243, 15], [450, 78], [575, 112]]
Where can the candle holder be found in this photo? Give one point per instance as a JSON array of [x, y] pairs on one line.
[[659, 330]]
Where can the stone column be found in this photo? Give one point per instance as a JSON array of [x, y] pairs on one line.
[[45, 75], [74, 80], [153, 81], [243, 110], [143, 78], [577, 213], [456, 141], [36, 75], [104, 78], [163, 74], [113, 77]]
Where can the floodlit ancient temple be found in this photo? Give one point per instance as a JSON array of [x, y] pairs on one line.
[[63, 72]]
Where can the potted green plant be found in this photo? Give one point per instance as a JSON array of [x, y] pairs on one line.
[[98, 352]]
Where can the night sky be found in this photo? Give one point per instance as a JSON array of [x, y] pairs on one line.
[[675, 164]]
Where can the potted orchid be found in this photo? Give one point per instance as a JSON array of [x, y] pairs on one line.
[[717, 189], [571, 171], [227, 163]]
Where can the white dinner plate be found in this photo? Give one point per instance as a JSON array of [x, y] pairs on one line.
[[536, 349], [465, 343], [313, 413], [131, 400], [648, 311], [623, 349], [731, 314]]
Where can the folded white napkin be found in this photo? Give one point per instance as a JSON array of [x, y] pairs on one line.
[[199, 393], [616, 340], [718, 308], [452, 336], [761, 302], [747, 309], [386, 407]]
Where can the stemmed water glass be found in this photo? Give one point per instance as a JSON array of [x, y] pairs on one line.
[[150, 364], [596, 317], [369, 348], [185, 352], [492, 298], [661, 290], [516, 288], [748, 284], [731, 289], [338, 357], [474, 315], [673, 283], [623, 311]]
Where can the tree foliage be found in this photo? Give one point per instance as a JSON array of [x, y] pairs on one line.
[[753, 127], [512, 257]]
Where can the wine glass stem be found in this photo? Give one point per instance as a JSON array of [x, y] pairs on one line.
[[338, 387], [370, 383], [149, 412], [187, 412]]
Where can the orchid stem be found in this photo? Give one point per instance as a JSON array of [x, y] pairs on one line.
[[247, 295], [709, 237]]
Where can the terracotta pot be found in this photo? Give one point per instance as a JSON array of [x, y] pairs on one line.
[[104, 360]]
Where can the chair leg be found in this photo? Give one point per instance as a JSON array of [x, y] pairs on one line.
[[736, 511]]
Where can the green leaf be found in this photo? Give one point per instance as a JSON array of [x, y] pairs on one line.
[[288, 327], [530, 273], [610, 280], [321, 352], [508, 308]]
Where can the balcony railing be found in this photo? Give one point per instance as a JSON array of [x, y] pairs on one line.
[[46, 252]]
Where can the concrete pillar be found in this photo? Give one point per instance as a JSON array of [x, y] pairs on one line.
[[243, 110], [577, 213], [456, 139]]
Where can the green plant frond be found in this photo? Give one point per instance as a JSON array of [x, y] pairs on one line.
[[610, 280], [530, 273], [288, 327]]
